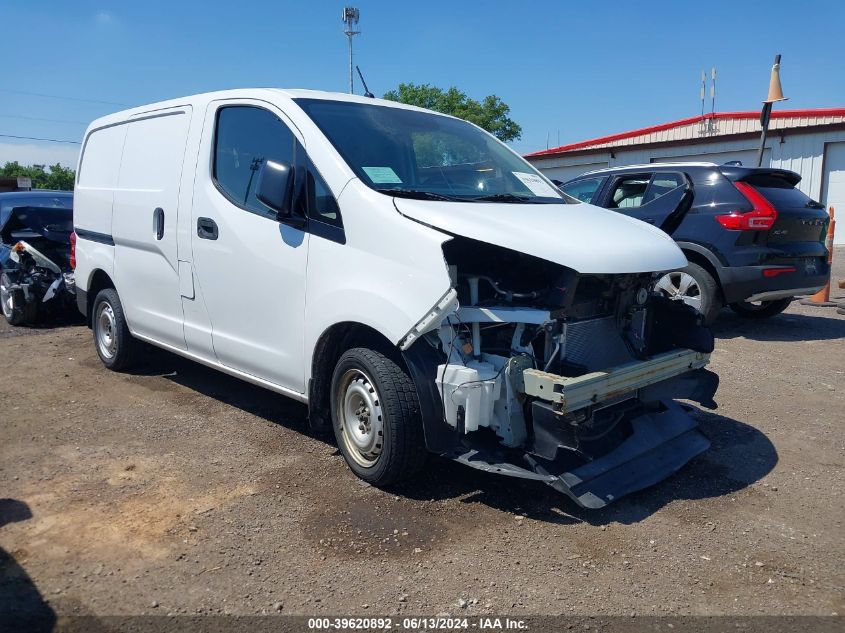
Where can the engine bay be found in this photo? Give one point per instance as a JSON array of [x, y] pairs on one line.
[[548, 370]]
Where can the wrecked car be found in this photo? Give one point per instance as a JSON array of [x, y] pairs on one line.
[[36, 277], [414, 281]]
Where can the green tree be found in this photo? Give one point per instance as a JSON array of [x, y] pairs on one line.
[[491, 113], [54, 177]]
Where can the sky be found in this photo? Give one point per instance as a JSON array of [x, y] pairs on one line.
[[569, 70]]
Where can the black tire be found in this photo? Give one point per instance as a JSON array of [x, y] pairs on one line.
[[20, 314], [395, 430], [707, 290], [711, 295], [763, 310], [123, 352]]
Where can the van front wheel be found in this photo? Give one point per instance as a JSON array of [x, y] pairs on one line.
[[115, 345], [376, 417]]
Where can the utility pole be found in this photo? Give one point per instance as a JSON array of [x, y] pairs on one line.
[[775, 94], [350, 19]]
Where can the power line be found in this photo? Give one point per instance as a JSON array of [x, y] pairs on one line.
[[35, 138], [46, 96], [34, 118]]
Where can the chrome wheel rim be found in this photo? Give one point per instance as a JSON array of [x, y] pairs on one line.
[[106, 330], [6, 298], [681, 286], [359, 417]]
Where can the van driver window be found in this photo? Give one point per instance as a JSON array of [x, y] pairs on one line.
[[245, 138]]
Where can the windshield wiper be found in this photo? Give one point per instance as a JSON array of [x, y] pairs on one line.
[[419, 195], [506, 197]]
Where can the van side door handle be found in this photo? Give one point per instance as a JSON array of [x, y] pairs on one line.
[[158, 222], [206, 229]]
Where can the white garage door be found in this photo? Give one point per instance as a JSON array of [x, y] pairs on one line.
[[747, 156], [834, 184], [570, 171]]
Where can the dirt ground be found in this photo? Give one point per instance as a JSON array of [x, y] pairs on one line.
[[178, 490]]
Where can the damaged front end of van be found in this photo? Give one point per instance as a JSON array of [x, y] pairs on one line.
[[532, 369]]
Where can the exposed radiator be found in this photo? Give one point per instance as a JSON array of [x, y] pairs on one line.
[[594, 343]]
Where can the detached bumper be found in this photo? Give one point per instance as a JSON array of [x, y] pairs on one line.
[[660, 437], [661, 443]]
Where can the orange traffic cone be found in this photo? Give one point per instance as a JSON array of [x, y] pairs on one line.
[[822, 297]]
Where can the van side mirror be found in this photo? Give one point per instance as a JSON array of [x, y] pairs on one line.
[[275, 187]]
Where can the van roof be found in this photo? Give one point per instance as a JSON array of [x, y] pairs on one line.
[[246, 93]]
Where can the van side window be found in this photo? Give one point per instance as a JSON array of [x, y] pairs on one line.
[[322, 205], [246, 137]]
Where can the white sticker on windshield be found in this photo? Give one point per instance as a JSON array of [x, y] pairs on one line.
[[537, 185], [382, 175]]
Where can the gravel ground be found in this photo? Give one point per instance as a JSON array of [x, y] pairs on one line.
[[180, 490]]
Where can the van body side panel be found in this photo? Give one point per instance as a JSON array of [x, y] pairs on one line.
[[146, 206], [97, 173], [389, 274], [99, 167], [197, 324]]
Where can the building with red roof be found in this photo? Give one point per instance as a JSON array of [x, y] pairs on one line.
[[810, 142]]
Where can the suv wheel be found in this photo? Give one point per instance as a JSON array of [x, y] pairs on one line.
[[376, 417], [761, 309], [115, 345], [694, 286]]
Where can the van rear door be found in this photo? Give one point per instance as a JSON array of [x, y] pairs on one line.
[[144, 224]]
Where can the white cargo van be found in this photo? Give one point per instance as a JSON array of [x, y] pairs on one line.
[[416, 282]]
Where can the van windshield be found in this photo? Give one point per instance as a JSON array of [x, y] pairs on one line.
[[413, 154]]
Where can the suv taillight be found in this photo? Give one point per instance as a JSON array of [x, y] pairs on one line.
[[73, 250], [761, 217]]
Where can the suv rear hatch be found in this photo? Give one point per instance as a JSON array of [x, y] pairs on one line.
[[784, 214]]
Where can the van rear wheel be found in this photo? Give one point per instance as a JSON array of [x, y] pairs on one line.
[[376, 417], [115, 345]]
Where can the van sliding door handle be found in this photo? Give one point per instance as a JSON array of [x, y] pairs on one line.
[[158, 222], [206, 229]]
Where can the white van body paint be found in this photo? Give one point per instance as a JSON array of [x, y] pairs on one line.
[[388, 275], [580, 236], [205, 272]]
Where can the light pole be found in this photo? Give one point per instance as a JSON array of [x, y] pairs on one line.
[[350, 20], [775, 94]]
